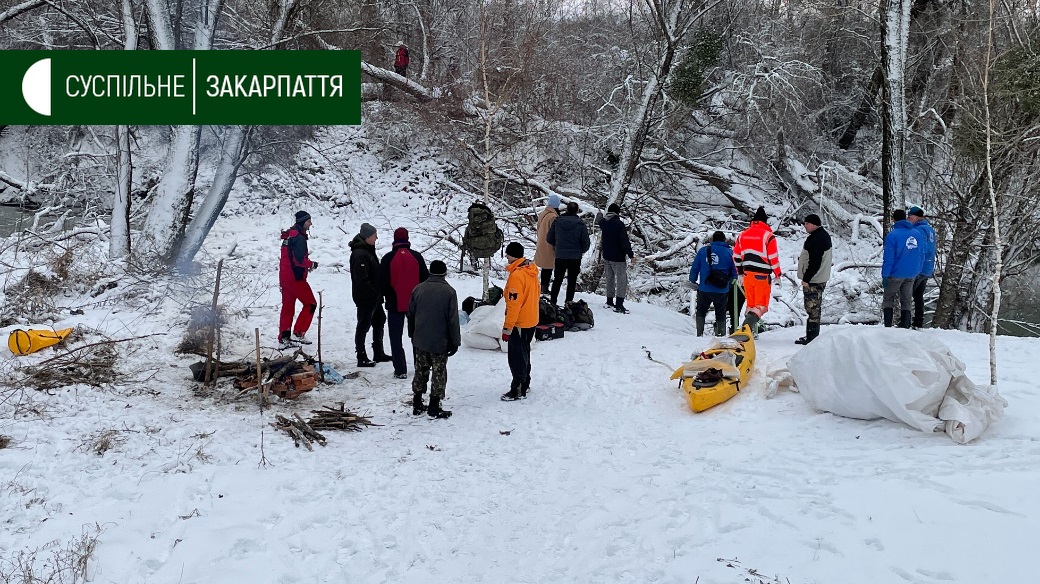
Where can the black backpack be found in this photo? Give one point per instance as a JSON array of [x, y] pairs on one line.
[[548, 312], [582, 313], [482, 237]]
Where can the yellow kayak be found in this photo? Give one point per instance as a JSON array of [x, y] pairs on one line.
[[718, 373], [24, 342]]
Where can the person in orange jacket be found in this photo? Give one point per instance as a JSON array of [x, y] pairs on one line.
[[521, 294], [758, 265]]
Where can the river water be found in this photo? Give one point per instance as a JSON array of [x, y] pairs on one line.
[[9, 217]]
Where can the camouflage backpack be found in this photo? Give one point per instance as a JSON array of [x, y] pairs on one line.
[[482, 237]]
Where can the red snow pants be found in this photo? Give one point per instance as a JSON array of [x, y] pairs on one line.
[[757, 289], [292, 291]]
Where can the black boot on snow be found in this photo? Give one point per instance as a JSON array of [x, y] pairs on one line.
[[888, 312], [435, 410], [620, 307], [418, 407], [364, 361], [379, 355]]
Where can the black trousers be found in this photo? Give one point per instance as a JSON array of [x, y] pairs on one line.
[[546, 275], [920, 285], [519, 348], [395, 322], [570, 270], [369, 316], [705, 300]]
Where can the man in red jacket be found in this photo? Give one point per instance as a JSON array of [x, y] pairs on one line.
[[401, 59], [293, 267], [400, 271], [758, 265]]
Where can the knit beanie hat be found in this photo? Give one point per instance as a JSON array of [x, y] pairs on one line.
[[760, 215], [400, 235], [554, 201], [515, 250], [813, 219], [302, 216], [915, 210], [614, 208], [438, 268], [366, 231]]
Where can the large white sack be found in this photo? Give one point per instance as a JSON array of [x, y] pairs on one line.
[[484, 329], [897, 374]]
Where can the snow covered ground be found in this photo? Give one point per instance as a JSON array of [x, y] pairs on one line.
[[602, 475]]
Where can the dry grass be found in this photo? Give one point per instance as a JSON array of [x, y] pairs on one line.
[[51, 565]]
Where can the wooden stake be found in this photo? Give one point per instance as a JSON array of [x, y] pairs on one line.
[[259, 374], [208, 377], [321, 368]]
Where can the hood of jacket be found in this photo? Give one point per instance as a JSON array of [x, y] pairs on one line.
[[358, 243], [568, 222], [902, 224], [523, 265]]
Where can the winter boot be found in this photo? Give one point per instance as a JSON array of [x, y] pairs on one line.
[[364, 361], [751, 320], [888, 316], [301, 338], [285, 341], [513, 394], [720, 329], [700, 325], [435, 410], [610, 302], [904, 318], [379, 355], [620, 307], [812, 330], [523, 392], [418, 407]]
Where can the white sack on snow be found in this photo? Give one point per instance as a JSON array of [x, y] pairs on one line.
[[484, 329], [897, 374]]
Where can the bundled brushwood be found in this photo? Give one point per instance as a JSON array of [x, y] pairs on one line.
[[338, 418], [300, 431]]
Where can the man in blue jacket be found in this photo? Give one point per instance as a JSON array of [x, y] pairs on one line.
[[616, 246], [902, 264], [916, 216], [711, 275]]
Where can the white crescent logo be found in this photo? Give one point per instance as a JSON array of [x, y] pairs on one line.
[[36, 87]]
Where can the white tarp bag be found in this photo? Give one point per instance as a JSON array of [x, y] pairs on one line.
[[897, 374], [484, 329]]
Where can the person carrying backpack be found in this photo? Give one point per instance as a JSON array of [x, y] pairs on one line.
[[758, 266], [293, 267], [401, 59], [570, 240], [433, 326], [711, 275], [400, 271], [521, 294], [364, 284], [544, 256]]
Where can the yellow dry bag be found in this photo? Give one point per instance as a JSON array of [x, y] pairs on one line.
[[23, 342]]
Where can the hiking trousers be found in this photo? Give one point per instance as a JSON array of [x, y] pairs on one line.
[[758, 289], [293, 291], [812, 296], [898, 291], [920, 286], [519, 349], [425, 363], [369, 316], [617, 278], [570, 268], [395, 325], [705, 300]]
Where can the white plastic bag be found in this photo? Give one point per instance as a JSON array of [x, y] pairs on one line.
[[484, 329]]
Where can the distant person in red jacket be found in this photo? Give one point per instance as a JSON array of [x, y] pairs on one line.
[[293, 267], [401, 59], [400, 271]]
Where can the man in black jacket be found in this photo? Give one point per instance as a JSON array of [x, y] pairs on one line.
[[433, 325], [616, 246], [570, 239], [364, 279], [814, 269]]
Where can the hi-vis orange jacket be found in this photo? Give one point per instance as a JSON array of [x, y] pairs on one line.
[[755, 250], [522, 290]]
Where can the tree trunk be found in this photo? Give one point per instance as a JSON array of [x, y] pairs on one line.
[[119, 243], [895, 25]]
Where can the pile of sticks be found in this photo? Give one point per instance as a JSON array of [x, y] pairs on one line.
[[327, 418]]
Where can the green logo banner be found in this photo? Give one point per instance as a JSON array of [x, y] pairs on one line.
[[180, 87]]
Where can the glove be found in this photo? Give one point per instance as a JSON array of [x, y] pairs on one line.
[[505, 335], [777, 281], [740, 280], [314, 266], [452, 349]]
